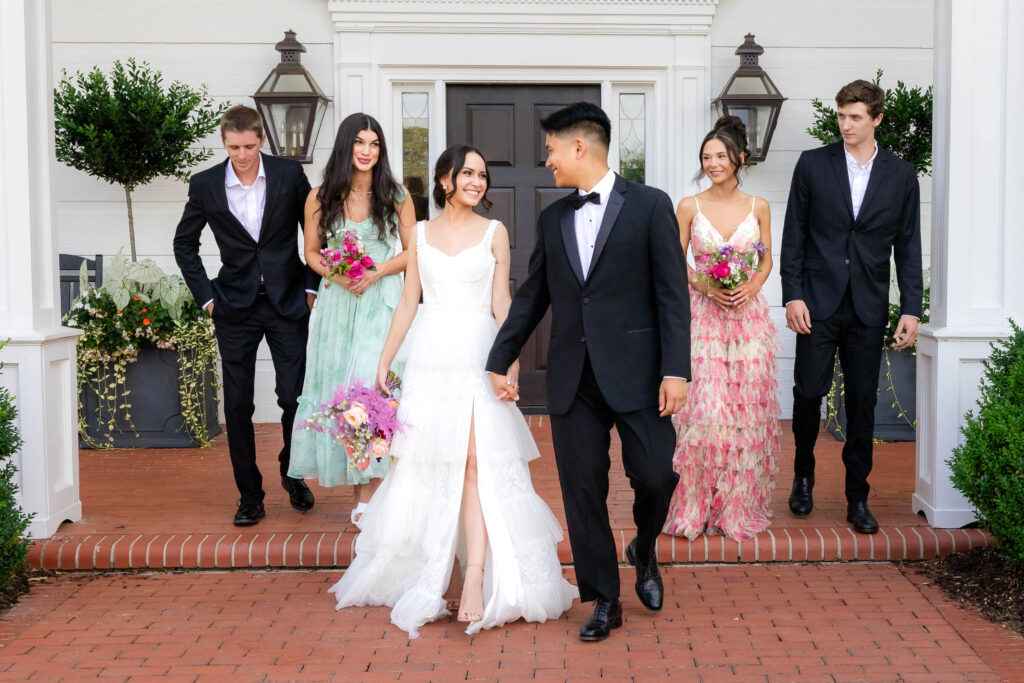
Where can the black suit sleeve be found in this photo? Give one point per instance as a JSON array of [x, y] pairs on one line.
[[311, 279], [794, 234], [528, 308], [671, 292], [907, 251], [186, 246]]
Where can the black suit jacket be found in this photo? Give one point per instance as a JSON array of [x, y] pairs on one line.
[[630, 314], [275, 256], [824, 249]]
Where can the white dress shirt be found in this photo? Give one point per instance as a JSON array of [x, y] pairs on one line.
[[247, 201], [589, 217], [859, 176]]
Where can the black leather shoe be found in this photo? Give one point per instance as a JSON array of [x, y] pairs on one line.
[[249, 513], [607, 615], [649, 587], [863, 521], [298, 493], [801, 502]]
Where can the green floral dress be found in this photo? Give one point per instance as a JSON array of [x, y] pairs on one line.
[[346, 336]]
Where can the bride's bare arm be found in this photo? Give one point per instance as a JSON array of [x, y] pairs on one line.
[[501, 300], [405, 311]]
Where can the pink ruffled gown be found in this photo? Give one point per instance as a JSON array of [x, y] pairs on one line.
[[728, 433]]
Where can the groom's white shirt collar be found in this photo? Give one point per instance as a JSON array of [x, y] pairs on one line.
[[603, 186]]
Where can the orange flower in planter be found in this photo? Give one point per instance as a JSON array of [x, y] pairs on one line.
[[145, 321]]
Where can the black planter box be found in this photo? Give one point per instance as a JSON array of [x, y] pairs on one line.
[[889, 425], [155, 406]]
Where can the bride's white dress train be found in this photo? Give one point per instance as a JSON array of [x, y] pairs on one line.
[[412, 526]]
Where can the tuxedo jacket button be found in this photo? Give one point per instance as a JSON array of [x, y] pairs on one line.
[[847, 261], [583, 340], [586, 299]]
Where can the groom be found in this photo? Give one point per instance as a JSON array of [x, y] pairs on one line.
[[609, 264], [254, 206], [851, 205]]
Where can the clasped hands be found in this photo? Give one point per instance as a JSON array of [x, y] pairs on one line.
[[506, 387], [733, 298], [359, 286]]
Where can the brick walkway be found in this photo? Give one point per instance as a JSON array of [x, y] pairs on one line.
[[774, 622], [173, 508]]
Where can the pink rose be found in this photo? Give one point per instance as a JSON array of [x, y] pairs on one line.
[[367, 261], [356, 271], [721, 271]]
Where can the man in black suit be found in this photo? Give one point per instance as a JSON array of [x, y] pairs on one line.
[[609, 263], [851, 206], [254, 206]]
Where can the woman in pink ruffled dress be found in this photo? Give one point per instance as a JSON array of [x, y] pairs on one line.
[[728, 434]]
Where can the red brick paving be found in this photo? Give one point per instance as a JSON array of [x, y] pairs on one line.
[[769, 622], [173, 508]]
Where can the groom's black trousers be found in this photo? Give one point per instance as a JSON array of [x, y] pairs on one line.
[[860, 353], [582, 438]]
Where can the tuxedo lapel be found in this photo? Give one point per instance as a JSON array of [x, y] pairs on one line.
[[273, 188], [572, 250], [878, 170], [842, 176], [220, 196], [615, 202]]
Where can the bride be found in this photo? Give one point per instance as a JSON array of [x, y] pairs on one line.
[[461, 484]]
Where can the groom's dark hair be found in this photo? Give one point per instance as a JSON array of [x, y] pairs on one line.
[[581, 119]]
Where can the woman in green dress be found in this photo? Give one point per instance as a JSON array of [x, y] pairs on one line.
[[351, 318]]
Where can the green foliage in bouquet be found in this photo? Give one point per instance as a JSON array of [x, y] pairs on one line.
[[13, 521], [129, 130], [905, 130], [140, 304], [988, 467]]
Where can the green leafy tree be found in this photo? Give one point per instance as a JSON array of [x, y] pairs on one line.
[[13, 521], [905, 130], [988, 466], [130, 129]]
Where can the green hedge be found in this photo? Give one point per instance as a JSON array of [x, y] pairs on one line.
[[988, 468], [13, 522]]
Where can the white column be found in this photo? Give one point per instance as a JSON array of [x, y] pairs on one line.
[[977, 279], [39, 360]]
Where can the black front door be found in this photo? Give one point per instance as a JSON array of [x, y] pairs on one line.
[[503, 122]]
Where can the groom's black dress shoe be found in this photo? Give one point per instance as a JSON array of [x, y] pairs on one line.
[[800, 500], [298, 493], [863, 521], [249, 513], [649, 587], [607, 615]]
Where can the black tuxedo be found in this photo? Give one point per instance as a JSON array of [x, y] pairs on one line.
[[260, 291], [615, 333], [839, 266]]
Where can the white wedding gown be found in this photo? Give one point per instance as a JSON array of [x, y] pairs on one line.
[[412, 526]]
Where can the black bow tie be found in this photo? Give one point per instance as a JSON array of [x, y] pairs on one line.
[[578, 200]]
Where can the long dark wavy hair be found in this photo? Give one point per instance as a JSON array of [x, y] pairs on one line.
[[337, 183]]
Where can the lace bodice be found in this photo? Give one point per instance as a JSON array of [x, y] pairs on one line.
[[705, 239], [460, 281]]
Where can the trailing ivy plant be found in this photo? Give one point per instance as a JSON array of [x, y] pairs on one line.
[[905, 130], [988, 466], [140, 304], [13, 521], [130, 129]]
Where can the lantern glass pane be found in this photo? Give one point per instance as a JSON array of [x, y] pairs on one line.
[[633, 137], [290, 83], [289, 126], [751, 85], [756, 118], [416, 150]]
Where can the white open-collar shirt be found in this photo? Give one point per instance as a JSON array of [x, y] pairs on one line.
[[247, 202]]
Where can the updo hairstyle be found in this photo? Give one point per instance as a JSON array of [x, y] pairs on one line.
[[733, 134], [453, 160]]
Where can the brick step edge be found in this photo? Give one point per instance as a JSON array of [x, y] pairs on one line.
[[335, 549]]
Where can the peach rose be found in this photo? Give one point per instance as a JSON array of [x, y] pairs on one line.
[[379, 448], [356, 415]]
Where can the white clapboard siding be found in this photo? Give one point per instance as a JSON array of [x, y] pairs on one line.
[[812, 47]]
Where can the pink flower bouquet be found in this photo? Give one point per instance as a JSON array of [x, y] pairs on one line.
[[727, 268], [351, 260], [360, 419]]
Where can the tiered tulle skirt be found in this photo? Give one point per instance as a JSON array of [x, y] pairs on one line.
[[411, 528], [728, 434]]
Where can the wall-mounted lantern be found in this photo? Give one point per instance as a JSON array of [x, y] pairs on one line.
[[291, 104], [751, 95]]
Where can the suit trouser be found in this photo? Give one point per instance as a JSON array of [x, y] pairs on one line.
[[238, 341], [582, 438], [860, 354]]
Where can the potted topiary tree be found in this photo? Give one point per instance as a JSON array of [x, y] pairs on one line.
[[906, 131], [146, 343]]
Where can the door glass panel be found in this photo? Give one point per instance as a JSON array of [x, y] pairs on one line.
[[416, 150], [632, 137]]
